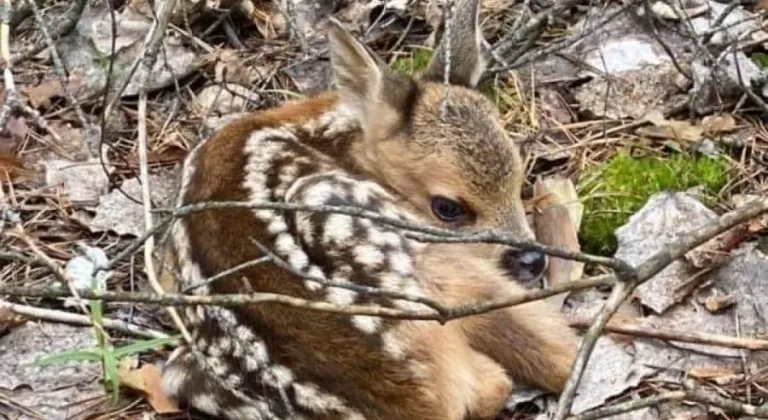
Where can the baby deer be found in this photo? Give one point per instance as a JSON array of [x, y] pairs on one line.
[[386, 142]]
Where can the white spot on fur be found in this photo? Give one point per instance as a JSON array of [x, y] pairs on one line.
[[278, 376], [205, 403], [390, 281], [173, 378], [218, 366], [244, 334], [366, 324], [276, 226], [286, 247], [368, 255], [393, 346], [341, 297], [247, 412], [318, 194], [338, 229], [312, 398], [400, 262]]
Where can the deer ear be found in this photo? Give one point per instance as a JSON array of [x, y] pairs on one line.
[[465, 55], [366, 85]]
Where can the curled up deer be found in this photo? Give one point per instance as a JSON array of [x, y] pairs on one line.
[[385, 142]]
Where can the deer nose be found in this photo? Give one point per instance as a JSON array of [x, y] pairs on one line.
[[524, 265]]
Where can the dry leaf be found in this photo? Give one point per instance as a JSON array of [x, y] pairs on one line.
[[670, 129], [664, 219], [709, 372], [557, 216], [120, 214], [12, 169], [10, 320], [146, 380], [721, 123], [83, 182], [41, 95]]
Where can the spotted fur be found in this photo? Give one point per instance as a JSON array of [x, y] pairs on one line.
[[379, 143]]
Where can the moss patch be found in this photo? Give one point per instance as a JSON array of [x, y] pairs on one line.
[[618, 188]]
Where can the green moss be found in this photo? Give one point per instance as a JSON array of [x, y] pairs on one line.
[[619, 187], [413, 62]]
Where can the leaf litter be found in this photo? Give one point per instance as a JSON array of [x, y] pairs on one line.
[[715, 289]]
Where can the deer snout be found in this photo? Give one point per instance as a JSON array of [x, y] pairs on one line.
[[523, 265]]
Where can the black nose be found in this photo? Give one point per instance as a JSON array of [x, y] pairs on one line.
[[525, 266]]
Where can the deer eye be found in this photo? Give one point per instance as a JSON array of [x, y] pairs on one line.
[[446, 209]]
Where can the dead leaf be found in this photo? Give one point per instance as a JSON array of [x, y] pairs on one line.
[[120, 214], [720, 123], [10, 320], [557, 216], [83, 182], [709, 372], [146, 380], [164, 156], [670, 129], [609, 372], [12, 169], [664, 218], [41, 95], [53, 389], [17, 127]]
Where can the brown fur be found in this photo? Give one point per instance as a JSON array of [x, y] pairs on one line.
[[402, 141]]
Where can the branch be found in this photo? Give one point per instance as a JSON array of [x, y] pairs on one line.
[[234, 300], [429, 233], [76, 319], [645, 271], [679, 336]]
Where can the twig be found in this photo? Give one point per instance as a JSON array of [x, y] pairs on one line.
[[58, 65], [629, 406], [645, 271], [57, 271], [68, 23], [511, 39], [431, 234], [234, 300], [12, 102], [76, 319], [679, 336], [151, 47]]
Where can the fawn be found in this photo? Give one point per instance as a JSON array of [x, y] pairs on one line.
[[386, 142]]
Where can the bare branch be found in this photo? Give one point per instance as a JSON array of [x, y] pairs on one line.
[[628, 282], [75, 319], [679, 336]]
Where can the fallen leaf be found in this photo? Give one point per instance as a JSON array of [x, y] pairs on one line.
[[9, 320], [709, 372], [721, 123], [17, 127], [120, 214], [41, 95], [557, 216], [12, 169], [50, 390], [146, 380], [609, 372], [670, 129], [664, 219], [83, 182]]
